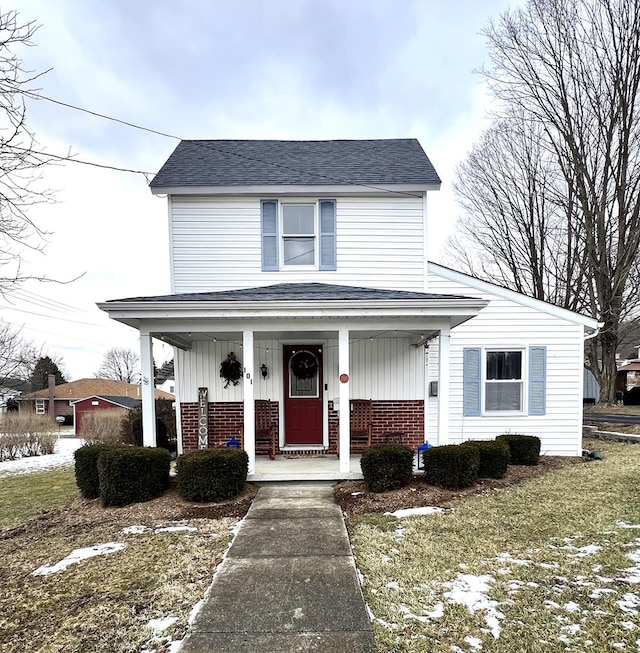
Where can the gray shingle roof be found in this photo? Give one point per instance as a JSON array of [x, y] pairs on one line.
[[127, 402], [249, 163], [295, 292]]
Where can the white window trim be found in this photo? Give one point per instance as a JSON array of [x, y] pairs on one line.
[[299, 201], [40, 407], [524, 380]]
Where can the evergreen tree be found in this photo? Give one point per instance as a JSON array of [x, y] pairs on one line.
[[39, 379]]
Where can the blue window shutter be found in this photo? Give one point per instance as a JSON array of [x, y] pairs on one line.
[[471, 381], [537, 380], [328, 235], [269, 222]]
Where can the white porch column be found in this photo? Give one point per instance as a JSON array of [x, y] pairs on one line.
[[345, 407], [443, 385], [249, 414], [148, 391]]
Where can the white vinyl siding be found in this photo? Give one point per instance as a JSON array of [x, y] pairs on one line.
[[507, 325], [216, 244], [382, 369]]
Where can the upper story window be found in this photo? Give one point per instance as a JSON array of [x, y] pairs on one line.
[[298, 233]]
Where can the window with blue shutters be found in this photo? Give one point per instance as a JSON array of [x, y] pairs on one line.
[[472, 375], [298, 233], [270, 244], [494, 381], [328, 235], [537, 380]]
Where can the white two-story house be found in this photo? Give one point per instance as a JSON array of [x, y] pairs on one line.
[[308, 261]]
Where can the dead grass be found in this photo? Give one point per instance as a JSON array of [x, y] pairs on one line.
[[615, 409], [104, 603], [542, 591]]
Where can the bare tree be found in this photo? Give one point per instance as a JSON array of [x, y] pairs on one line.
[[571, 67], [17, 355], [120, 364], [21, 158], [516, 230]]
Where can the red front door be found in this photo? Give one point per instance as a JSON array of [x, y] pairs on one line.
[[303, 394]]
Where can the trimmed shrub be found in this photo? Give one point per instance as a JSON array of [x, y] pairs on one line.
[[386, 466], [132, 474], [494, 457], [523, 449], [102, 426], [452, 466], [212, 474], [86, 468]]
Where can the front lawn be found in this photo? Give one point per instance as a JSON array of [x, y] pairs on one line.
[[549, 565], [136, 594]]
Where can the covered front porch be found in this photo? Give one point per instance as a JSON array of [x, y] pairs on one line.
[[318, 468], [367, 344]]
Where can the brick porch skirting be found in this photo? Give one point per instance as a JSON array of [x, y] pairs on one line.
[[388, 418]]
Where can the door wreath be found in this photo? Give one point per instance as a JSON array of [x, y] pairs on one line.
[[231, 370], [304, 365]]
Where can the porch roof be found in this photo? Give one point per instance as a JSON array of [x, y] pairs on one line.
[[293, 292], [290, 307]]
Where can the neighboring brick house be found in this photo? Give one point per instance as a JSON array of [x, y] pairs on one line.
[[64, 395], [308, 261]]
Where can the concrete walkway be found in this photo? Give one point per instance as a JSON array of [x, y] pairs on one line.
[[288, 582]]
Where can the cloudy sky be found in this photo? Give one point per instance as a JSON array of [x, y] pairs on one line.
[[286, 69]]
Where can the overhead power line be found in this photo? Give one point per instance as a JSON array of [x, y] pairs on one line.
[[284, 166]]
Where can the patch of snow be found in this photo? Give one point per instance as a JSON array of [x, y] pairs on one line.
[[506, 557], [194, 611], [628, 603], [393, 585], [624, 524], [634, 556], [618, 645], [572, 606], [628, 625], [160, 625], [174, 529], [600, 591], [571, 629], [551, 604], [135, 530], [356, 494], [436, 612], [399, 534], [61, 457], [407, 614], [385, 558], [473, 642], [548, 565], [471, 592], [587, 550], [412, 512], [360, 577], [77, 556]]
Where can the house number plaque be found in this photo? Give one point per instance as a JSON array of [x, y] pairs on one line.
[[344, 378]]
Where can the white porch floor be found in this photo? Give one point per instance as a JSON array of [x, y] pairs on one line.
[[323, 468]]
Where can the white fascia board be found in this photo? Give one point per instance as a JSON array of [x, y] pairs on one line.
[[275, 190], [512, 295], [280, 310]]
